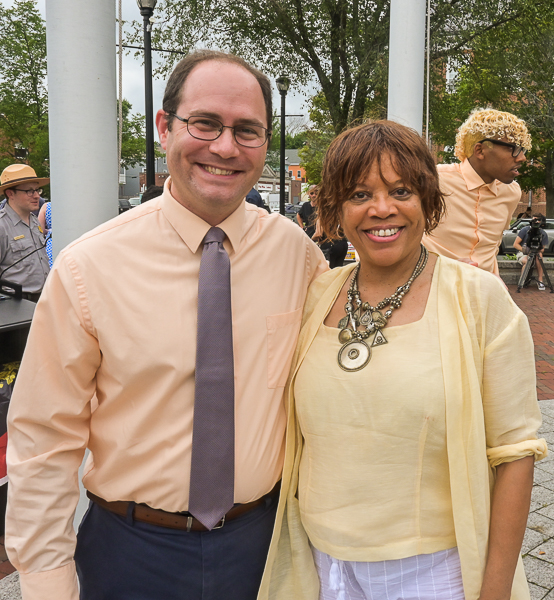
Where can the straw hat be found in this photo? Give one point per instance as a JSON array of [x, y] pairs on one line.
[[16, 174]]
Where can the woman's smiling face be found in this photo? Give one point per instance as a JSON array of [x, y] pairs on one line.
[[383, 218]]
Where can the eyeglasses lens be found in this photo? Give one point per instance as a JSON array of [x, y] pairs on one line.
[[31, 193], [202, 128]]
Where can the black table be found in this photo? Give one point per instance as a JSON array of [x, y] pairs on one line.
[[15, 321]]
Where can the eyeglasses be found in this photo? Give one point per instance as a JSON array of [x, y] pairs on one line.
[[29, 193], [208, 129], [516, 150]]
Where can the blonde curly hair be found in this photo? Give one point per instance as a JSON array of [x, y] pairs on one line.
[[490, 123]]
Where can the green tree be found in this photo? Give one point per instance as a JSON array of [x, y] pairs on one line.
[[318, 138], [133, 146], [23, 93], [295, 137], [509, 69]]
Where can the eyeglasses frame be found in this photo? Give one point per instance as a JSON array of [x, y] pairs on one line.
[[232, 127], [507, 145], [33, 191]]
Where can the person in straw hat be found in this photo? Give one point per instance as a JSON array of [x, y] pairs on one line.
[[21, 236]]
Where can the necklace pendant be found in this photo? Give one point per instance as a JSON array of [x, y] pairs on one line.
[[345, 335], [365, 318], [343, 322], [354, 355], [379, 339], [378, 318]]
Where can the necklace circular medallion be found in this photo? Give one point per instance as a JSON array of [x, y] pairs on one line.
[[354, 355]]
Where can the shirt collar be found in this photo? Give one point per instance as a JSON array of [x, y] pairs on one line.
[[192, 229], [473, 180], [14, 217]]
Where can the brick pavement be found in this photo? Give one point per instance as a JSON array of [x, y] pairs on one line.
[[5, 566], [539, 308], [538, 544]]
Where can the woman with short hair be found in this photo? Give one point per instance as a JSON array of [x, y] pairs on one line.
[[412, 404]]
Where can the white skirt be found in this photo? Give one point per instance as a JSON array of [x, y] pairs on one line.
[[436, 576]]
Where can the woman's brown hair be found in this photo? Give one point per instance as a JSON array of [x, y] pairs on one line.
[[350, 157]]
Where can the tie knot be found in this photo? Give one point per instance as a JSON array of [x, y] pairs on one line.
[[215, 234]]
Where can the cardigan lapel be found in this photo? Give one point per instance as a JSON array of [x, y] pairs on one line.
[[465, 429]]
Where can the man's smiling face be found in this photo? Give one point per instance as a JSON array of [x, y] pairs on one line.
[[211, 178]]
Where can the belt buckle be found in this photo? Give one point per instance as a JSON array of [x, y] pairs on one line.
[[220, 525]]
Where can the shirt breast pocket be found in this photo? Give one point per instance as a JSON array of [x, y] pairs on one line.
[[21, 247], [282, 334]]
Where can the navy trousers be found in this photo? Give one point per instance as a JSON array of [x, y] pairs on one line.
[[121, 559]]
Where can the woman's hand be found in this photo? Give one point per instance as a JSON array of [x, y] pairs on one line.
[[509, 510], [469, 262]]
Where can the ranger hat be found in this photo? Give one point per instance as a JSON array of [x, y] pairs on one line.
[[13, 175]]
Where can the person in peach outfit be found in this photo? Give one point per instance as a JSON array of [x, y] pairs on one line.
[[480, 191]]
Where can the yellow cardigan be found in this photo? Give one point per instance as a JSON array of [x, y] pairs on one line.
[[492, 417]]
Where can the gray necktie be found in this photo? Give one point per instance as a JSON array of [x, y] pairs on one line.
[[212, 475]]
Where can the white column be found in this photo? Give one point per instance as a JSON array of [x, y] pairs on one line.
[[82, 115], [407, 62]]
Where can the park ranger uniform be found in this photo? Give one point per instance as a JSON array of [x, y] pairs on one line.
[[17, 239]]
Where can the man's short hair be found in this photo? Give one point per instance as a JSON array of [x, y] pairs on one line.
[[174, 87], [489, 123], [539, 216]]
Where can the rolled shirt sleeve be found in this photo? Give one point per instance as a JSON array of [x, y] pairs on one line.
[[512, 414]]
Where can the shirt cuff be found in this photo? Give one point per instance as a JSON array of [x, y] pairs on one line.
[[57, 584], [504, 454]]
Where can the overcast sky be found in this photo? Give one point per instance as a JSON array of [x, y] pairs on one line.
[[133, 71]]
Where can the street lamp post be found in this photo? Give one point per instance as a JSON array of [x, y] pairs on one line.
[[283, 84], [147, 10]]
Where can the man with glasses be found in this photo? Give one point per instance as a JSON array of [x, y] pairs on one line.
[[23, 258], [163, 343], [481, 193]]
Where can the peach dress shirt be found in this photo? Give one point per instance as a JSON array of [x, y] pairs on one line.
[[476, 215], [117, 319]]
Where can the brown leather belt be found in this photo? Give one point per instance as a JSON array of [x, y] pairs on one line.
[[178, 520]]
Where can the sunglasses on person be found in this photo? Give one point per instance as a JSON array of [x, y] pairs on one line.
[[516, 150]]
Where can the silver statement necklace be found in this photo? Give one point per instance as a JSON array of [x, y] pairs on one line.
[[355, 352]]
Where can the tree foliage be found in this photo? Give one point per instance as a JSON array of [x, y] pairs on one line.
[[133, 146], [342, 44], [511, 69], [23, 93], [295, 137]]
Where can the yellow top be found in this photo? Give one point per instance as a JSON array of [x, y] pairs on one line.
[[388, 423], [492, 416]]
